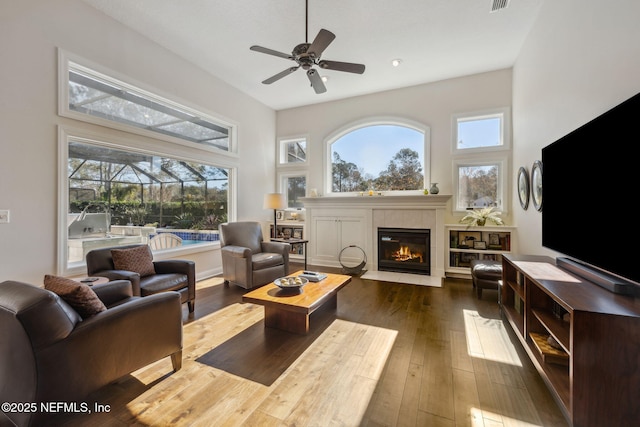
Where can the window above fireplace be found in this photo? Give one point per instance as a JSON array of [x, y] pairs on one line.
[[378, 155]]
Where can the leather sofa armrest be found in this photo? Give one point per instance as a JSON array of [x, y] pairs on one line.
[[186, 267], [236, 251], [141, 306], [175, 266], [131, 276], [276, 247], [113, 292], [113, 343]]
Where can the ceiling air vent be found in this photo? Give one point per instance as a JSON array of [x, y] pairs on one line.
[[497, 5]]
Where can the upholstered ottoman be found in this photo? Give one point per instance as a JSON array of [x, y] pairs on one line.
[[485, 274]]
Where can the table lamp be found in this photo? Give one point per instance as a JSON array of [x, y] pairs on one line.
[[274, 201]]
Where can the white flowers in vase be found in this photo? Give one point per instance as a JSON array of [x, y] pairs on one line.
[[478, 217]]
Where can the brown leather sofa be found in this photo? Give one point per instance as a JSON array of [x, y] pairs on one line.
[[247, 260], [171, 275], [48, 353]]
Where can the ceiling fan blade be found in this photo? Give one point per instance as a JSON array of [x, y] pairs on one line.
[[280, 75], [320, 43], [342, 66], [271, 52], [316, 81]]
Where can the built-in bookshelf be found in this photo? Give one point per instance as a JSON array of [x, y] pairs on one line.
[[292, 230], [468, 243]]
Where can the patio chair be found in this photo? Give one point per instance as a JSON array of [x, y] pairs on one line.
[[165, 241]]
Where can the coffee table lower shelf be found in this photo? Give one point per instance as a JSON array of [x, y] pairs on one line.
[[290, 312]]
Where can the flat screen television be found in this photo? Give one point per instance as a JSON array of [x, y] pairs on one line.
[[590, 186]]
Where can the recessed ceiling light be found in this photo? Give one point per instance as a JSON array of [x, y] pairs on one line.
[[324, 78], [396, 62]]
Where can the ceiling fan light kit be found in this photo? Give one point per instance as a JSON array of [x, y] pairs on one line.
[[307, 55]]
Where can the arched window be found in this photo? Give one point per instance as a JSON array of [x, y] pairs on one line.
[[381, 156]]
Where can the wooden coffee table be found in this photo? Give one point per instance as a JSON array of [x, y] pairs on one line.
[[290, 311]]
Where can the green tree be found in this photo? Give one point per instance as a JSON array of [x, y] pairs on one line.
[[479, 185], [346, 176], [404, 172]]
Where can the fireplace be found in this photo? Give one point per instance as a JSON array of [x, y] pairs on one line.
[[404, 250]]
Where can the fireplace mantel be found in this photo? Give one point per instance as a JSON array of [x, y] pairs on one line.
[[339, 221], [431, 201]]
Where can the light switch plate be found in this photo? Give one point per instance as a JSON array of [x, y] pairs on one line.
[[4, 216]]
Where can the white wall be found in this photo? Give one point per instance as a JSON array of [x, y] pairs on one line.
[[430, 104], [581, 58], [30, 33]]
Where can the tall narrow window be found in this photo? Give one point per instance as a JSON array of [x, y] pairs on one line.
[[483, 138], [296, 187]]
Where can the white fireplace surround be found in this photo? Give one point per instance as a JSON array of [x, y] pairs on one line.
[[415, 211]]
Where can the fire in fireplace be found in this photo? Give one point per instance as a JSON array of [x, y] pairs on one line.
[[404, 250], [405, 254]]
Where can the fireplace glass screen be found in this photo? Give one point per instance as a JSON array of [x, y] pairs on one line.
[[404, 250]]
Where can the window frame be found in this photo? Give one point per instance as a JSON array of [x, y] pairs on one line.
[[282, 187], [282, 152], [502, 193], [483, 156], [286, 170], [376, 121], [65, 59], [67, 135], [504, 114]]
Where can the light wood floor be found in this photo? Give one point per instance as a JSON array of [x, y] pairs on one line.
[[391, 355]]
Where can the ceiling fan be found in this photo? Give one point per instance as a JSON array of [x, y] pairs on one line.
[[306, 55]]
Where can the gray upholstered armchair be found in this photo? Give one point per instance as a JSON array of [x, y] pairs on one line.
[[48, 353], [247, 260]]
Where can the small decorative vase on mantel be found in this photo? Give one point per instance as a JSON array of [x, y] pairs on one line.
[[434, 188]]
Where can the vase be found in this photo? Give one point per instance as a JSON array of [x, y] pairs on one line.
[[434, 188]]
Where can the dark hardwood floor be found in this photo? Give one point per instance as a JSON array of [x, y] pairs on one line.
[[390, 355]]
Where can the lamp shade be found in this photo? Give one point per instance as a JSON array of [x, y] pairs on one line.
[[274, 201]]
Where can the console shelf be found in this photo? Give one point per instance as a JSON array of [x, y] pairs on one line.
[[595, 376]]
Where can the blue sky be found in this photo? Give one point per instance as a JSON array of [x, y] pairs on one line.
[[372, 147], [479, 133]]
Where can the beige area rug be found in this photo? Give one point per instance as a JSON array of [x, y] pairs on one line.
[[410, 279]]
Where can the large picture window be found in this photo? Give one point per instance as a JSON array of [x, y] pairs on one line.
[[119, 196], [119, 190], [379, 157]]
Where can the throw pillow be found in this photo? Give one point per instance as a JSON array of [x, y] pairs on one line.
[[138, 259], [78, 295]]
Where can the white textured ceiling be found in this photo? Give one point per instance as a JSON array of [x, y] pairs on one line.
[[436, 40]]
